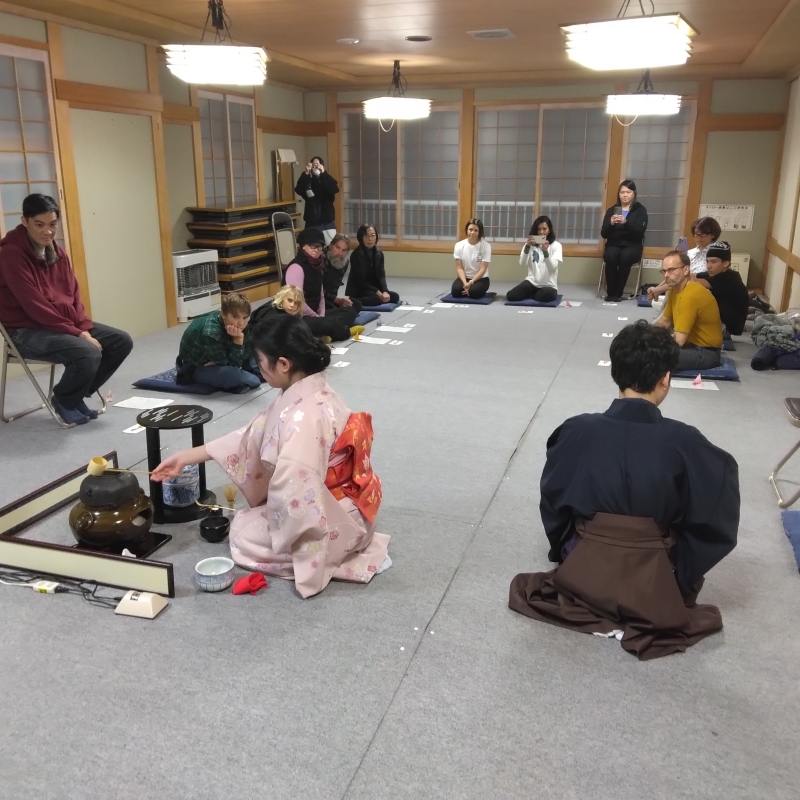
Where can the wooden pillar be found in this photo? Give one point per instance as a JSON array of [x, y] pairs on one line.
[[698, 162], [70, 201], [335, 153], [162, 195], [466, 171]]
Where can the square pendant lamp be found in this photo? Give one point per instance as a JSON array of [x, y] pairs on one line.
[[660, 40], [217, 63], [221, 62]]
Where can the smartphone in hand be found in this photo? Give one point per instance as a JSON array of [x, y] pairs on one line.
[[617, 210], [683, 244], [540, 240]]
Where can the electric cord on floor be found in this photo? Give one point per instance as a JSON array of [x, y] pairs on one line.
[[86, 589]]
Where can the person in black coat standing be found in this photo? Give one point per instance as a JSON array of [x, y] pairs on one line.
[[624, 226], [367, 280], [318, 188]]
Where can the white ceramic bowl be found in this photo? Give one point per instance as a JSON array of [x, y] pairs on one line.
[[214, 574]]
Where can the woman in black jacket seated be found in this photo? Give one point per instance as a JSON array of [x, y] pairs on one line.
[[318, 188], [624, 226], [367, 280]]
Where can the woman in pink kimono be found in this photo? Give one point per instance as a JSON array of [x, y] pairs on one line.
[[303, 465]]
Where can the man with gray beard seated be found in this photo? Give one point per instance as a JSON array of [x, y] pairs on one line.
[[337, 262]]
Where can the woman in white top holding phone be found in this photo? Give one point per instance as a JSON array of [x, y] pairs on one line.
[[541, 255], [472, 256]]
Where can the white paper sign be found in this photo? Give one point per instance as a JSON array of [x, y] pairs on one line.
[[372, 340], [608, 335], [338, 351], [383, 328], [622, 319], [340, 364], [603, 363], [444, 305], [731, 216], [143, 403], [570, 303], [524, 311], [428, 311], [134, 429], [411, 308], [708, 385], [394, 341]]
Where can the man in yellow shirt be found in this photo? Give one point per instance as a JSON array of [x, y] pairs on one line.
[[692, 313]]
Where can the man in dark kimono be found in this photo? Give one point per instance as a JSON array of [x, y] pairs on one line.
[[637, 508]]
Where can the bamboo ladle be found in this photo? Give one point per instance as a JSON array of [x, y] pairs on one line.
[[98, 465]]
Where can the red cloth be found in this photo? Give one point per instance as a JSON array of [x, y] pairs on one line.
[[35, 295], [353, 477], [250, 583]]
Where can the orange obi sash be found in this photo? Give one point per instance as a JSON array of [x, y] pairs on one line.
[[353, 476]]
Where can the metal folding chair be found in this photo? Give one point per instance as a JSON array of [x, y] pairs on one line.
[[10, 355], [285, 242], [792, 406], [638, 278]]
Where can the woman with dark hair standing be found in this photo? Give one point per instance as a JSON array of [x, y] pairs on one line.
[[541, 257], [624, 226], [303, 465], [367, 280], [318, 188]]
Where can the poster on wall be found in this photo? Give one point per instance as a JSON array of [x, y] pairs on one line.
[[731, 217]]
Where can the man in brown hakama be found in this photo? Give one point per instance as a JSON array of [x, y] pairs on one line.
[[637, 509]]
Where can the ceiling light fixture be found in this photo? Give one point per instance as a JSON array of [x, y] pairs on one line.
[[660, 40], [348, 40], [418, 38], [644, 102], [221, 62], [395, 105]]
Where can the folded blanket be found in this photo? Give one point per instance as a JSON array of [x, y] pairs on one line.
[[775, 330]]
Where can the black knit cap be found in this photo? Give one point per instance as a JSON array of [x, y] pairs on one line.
[[310, 236], [719, 249]]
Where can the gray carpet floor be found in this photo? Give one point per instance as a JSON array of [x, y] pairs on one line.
[[422, 684]]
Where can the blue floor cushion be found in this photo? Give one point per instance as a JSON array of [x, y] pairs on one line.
[[552, 304], [383, 307], [791, 526], [165, 382], [366, 316], [481, 301], [725, 372], [643, 302]]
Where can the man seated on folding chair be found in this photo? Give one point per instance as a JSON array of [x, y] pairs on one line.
[[692, 313], [41, 307]]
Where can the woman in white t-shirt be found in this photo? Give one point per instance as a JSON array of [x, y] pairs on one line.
[[472, 256], [541, 261]]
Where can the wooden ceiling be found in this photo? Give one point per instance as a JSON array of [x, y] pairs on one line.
[[736, 37]]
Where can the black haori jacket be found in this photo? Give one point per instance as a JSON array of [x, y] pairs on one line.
[[629, 233]]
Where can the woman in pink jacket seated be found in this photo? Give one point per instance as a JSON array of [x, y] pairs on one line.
[[303, 465]]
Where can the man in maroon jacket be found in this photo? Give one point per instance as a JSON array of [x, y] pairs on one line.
[[40, 306]]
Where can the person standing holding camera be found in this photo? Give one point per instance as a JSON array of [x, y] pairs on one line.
[[318, 188]]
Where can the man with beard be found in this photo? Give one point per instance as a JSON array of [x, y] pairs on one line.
[[337, 262], [307, 272]]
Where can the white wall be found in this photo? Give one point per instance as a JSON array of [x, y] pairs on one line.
[[119, 213]]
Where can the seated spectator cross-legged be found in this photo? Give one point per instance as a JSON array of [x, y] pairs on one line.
[[692, 313], [637, 509], [727, 287], [212, 350], [367, 281], [472, 256], [306, 272], [41, 307], [706, 231], [541, 259], [337, 261]]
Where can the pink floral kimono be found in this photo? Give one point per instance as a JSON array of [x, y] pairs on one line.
[[295, 527]]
